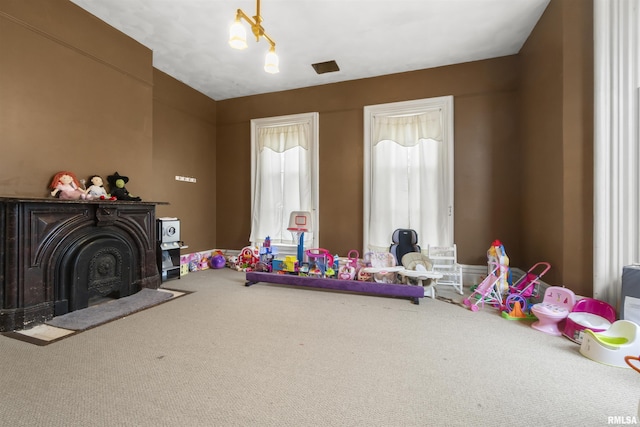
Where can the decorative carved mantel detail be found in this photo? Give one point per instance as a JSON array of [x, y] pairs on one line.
[[57, 254]]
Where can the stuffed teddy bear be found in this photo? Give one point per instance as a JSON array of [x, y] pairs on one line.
[[65, 186], [118, 190], [96, 189]]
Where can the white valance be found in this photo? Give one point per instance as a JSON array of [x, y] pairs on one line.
[[408, 130], [282, 138]]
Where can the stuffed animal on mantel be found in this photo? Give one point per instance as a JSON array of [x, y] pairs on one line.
[[118, 190], [65, 186], [97, 190]]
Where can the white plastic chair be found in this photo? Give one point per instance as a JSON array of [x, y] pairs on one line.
[[445, 261]]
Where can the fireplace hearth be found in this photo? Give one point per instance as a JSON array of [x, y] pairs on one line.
[[58, 255]]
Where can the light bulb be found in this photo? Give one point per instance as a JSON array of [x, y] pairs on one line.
[[271, 61], [237, 36]]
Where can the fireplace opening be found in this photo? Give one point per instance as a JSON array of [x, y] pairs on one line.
[[95, 268]]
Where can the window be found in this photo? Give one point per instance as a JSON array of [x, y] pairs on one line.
[[284, 178], [408, 172]]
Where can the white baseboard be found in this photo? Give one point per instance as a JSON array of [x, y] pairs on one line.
[[473, 274]]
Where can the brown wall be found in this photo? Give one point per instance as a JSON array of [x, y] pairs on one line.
[[557, 144], [77, 94], [486, 152], [184, 144], [523, 149]]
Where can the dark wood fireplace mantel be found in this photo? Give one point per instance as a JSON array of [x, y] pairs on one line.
[[57, 254]]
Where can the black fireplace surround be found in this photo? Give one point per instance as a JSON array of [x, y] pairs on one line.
[[58, 255]]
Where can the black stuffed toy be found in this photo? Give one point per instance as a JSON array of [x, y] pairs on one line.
[[118, 190]]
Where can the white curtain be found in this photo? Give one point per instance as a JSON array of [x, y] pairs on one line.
[[408, 179], [616, 141], [282, 181]]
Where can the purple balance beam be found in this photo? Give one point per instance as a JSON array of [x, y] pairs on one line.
[[374, 288]]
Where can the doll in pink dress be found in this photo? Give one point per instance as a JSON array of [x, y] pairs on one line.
[[65, 186]]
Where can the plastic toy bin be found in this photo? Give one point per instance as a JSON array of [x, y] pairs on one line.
[[588, 313], [578, 322]]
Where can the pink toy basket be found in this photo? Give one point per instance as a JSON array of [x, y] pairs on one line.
[[588, 313]]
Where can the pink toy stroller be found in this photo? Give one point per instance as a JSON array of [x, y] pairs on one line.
[[527, 285], [487, 291]]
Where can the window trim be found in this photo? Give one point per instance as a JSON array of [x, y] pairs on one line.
[[405, 108], [314, 124]]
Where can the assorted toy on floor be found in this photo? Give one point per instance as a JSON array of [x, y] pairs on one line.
[[493, 288], [199, 261], [348, 267], [497, 256], [612, 346], [588, 313], [382, 267], [217, 260], [553, 310], [266, 255], [419, 271], [320, 263], [514, 300], [517, 304], [488, 291], [248, 258]]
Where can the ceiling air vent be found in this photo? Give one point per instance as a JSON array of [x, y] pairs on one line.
[[325, 67]]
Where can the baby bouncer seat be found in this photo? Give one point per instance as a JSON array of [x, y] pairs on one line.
[[419, 271]]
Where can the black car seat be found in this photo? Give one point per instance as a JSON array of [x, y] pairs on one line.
[[404, 241]]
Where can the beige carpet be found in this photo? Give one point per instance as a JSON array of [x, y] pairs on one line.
[[107, 311], [269, 355]]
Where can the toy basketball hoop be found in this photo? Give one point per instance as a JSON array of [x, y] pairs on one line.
[[299, 223]]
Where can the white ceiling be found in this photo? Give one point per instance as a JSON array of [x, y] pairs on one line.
[[189, 38]]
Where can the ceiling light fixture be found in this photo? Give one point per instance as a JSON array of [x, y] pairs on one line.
[[238, 37]]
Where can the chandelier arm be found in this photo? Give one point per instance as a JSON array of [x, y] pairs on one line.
[[256, 28], [241, 15], [269, 39]]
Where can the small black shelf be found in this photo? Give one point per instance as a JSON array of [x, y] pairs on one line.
[[170, 273], [168, 262], [168, 248]]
